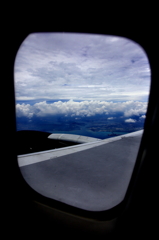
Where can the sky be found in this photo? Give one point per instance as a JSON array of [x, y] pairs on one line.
[[94, 73]]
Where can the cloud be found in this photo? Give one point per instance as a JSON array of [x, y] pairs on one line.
[[80, 109], [24, 110], [143, 116], [81, 66], [110, 118], [130, 120]]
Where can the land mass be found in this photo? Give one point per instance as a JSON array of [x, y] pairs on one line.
[[100, 126]]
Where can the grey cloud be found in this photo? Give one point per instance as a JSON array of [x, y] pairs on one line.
[[45, 62]]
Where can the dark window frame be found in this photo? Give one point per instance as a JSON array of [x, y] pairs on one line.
[[145, 151]]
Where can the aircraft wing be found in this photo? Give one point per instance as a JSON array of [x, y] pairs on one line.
[[92, 176]]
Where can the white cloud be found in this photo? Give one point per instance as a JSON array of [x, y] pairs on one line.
[[130, 120], [83, 108], [143, 116], [24, 110], [110, 118]]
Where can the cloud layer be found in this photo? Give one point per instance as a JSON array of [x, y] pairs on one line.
[[81, 67], [83, 108]]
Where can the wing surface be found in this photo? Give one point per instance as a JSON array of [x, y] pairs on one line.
[[92, 176]]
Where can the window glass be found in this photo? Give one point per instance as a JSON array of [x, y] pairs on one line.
[[90, 85]]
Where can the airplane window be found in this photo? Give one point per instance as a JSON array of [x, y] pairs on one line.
[[81, 102]]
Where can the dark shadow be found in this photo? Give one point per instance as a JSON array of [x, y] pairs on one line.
[[28, 141]]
